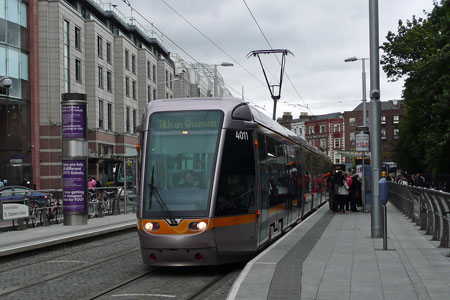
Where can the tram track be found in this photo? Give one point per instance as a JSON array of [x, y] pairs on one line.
[[48, 278], [8, 267]]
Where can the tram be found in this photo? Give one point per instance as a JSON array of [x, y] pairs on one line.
[[219, 180]]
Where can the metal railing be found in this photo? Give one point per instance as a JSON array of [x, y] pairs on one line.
[[31, 212], [428, 208]]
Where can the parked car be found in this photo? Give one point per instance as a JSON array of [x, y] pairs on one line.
[[20, 193]]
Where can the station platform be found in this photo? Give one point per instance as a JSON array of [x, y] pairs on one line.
[[331, 256], [12, 242]]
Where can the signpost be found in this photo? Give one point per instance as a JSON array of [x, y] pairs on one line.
[[362, 144], [74, 144]]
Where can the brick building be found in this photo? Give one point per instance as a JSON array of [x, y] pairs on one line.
[[391, 112], [327, 133]]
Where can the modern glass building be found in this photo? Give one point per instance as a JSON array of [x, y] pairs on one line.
[[15, 113]]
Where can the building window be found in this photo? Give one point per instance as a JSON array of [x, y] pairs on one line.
[[133, 89], [337, 127], [127, 120], [127, 63], [396, 119], [167, 95], [127, 86], [134, 121], [154, 74], [311, 129], [133, 64], [170, 80], [78, 70], [383, 134], [352, 136], [100, 77], [322, 128], [109, 81], [337, 159], [99, 46], [148, 69], [167, 80], [109, 116], [78, 38], [149, 93], [351, 121], [100, 113], [154, 94], [323, 144], [396, 131], [337, 143], [108, 52], [66, 58], [383, 119]]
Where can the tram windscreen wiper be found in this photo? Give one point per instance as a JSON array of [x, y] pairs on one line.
[[161, 202]]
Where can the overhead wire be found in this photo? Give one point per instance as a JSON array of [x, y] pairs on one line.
[[212, 42], [267, 40], [179, 47]]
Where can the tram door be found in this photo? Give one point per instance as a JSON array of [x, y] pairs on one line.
[[235, 205], [264, 181]]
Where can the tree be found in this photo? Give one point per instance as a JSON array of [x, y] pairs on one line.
[[420, 53]]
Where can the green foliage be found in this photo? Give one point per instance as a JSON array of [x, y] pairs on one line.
[[420, 53]]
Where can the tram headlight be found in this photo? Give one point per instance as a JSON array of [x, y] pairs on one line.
[[151, 226], [197, 226]]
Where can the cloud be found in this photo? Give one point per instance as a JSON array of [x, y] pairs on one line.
[[321, 34]]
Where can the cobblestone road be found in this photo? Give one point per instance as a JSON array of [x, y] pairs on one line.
[[87, 269]]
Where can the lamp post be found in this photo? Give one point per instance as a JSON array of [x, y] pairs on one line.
[[363, 184], [363, 59], [224, 64]]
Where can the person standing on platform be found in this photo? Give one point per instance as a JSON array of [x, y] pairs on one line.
[[355, 193], [341, 191]]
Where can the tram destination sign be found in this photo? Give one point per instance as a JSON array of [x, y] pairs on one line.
[[197, 120]]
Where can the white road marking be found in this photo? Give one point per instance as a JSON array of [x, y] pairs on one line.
[[144, 295], [68, 261]]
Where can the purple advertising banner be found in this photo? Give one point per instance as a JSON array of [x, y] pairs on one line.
[[74, 185], [73, 122]]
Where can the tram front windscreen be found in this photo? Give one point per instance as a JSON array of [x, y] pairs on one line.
[[179, 165]]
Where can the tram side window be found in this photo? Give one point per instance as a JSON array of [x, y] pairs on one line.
[[237, 175], [264, 161]]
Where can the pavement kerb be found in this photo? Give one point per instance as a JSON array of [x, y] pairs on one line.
[[245, 272], [66, 237]]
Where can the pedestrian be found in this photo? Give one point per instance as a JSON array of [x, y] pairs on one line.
[[341, 191], [355, 192], [349, 180], [1, 183], [331, 201]]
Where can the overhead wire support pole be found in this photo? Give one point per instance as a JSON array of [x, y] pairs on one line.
[[377, 224], [275, 94]]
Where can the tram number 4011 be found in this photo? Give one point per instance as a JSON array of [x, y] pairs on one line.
[[242, 135]]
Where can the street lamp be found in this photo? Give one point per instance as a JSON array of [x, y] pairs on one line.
[[352, 59], [363, 185], [224, 64], [5, 82]]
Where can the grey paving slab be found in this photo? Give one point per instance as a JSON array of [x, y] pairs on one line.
[[346, 263]]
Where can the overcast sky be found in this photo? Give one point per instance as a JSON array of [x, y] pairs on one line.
[[321, 34]]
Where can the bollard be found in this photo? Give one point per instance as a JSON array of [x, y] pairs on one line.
[[384, 195]]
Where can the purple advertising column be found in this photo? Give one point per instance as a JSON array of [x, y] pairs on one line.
[[74, 165]]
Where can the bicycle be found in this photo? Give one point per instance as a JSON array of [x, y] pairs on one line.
[[53, 211], [93, 205]]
